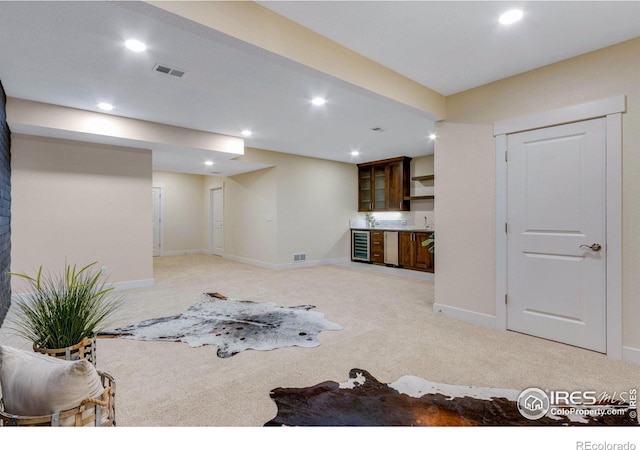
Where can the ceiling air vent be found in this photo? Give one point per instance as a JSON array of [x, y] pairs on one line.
[[163, 68]]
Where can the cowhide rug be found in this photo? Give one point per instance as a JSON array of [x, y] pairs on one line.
[[233, 326], [411, 401]]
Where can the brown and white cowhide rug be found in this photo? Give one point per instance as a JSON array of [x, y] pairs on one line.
[[233, 326], [410, 401]]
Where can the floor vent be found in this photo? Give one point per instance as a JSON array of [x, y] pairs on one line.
[[299, 257], [162, 68]]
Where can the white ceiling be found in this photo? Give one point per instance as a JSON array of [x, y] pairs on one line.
[[72, 54], [452, 46]]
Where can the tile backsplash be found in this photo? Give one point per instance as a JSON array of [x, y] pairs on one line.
[[409, 219]]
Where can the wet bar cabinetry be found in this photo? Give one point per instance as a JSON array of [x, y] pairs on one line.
[[412, 254], [384, 185], [393, 247], [377, 246], [426, 180]]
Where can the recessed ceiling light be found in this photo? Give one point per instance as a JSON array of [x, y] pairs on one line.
[[318, 101], [247, 133], [355, 153], [511, 16], [208, 163], [432, 136], [105, 106], [135, 45]]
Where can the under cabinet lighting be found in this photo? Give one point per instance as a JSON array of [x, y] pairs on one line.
[[387, 215]]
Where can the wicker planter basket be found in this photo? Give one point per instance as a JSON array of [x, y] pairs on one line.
[[85, 349], [93, 412]]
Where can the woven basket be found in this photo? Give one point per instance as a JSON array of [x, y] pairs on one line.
[[91, 412], [85, 349]]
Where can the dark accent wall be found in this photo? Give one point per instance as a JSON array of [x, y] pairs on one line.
[[5, 207]]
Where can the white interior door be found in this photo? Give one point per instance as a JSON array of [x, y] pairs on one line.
[[156, 197], [556, 211], [216, 223]]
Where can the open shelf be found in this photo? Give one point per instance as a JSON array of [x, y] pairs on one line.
[[420, 197]]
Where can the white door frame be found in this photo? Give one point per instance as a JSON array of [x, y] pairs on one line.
[[161, 188], [211, 218], [611, 108]]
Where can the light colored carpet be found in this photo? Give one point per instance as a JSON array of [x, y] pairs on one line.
[[389, 330]]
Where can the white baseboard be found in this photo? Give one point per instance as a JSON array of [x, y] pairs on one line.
[[252, 262], [465, 315], [631, 355], [314, 263], [184, 252], [133, 284], [118, 286], [286, 266]]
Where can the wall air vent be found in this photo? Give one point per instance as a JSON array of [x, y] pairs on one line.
[[163, 68], [298, 257]]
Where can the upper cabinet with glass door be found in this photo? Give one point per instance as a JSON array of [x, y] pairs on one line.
[[383, 185], [364, 185]]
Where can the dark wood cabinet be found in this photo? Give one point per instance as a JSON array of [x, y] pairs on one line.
[[413, 255], [365, 184], [384, 185], [407, 248], [377, 247], [424, 259]]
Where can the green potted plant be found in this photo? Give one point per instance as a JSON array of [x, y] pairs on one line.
[[62, 314], [430, 241]]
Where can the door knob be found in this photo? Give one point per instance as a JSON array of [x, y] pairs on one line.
[[595, 247]]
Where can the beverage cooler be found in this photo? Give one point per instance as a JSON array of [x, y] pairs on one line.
[[360, 245]]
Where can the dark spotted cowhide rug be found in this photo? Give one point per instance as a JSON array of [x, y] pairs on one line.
[[410, 401], [233, 326]]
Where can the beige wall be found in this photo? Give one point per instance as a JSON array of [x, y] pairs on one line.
[[605, 73], [250, 215], [81, 203], [316, 199], [183, 214], [465, 210], [302, 205], [299, 206]]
